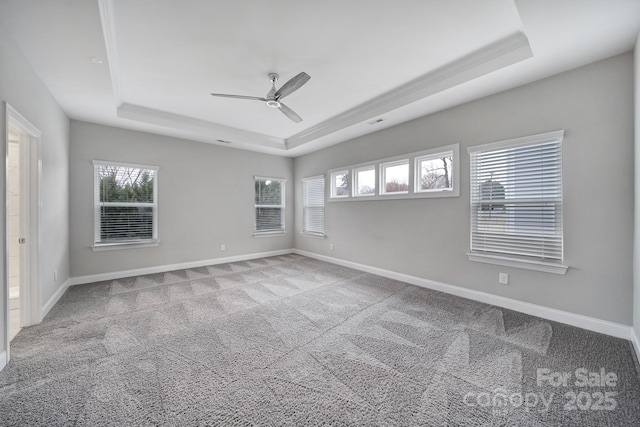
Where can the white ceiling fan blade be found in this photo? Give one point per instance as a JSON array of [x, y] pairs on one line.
[[290, 113], [292, 85], [224, 95]]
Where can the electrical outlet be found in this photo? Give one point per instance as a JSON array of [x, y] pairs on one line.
[[331, 247], [223, 247], [503, 278]]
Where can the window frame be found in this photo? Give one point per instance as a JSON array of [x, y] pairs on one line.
[[97, 204], [508, 259], [276, 232], [411, 193], [333, 176], [305, 205], [354, 179], [418, 171], [382, 167]]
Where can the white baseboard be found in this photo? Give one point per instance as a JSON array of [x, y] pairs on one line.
[[3, 360], [585, 322], [54, 299], [636, 343], [79, 280]]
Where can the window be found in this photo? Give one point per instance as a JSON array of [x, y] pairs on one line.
[[364, 183], [394, 177], [431, 173], [340, 184], [126, 203], [434, 172], [516, 202], [313, 206], [269, 204]]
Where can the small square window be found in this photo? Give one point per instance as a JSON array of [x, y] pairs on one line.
[[364, 181], [340, 184], [394, 177], [434, 172]]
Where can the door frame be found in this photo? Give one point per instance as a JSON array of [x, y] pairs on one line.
[[31, 177]]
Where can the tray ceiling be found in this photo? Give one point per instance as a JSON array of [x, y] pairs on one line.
[[151, 64]]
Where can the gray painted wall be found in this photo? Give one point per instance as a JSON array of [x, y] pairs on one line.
[[428, 238], [205, 197], [24, 91]]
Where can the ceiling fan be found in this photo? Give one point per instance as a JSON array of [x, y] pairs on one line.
[[274, 96]]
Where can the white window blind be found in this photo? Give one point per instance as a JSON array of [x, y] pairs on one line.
[[516, 198], [125, 203], [313, 205], [269, 205]]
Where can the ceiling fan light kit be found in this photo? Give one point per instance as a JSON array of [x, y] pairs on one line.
[[275, 95]]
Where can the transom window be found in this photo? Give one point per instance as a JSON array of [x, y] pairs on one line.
[[394, 177], [340, 184], [434, 172], [126, 203], [424, 174], [269, 206], [364, 182]]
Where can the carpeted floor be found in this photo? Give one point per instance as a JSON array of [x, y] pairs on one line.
[[294, 341]]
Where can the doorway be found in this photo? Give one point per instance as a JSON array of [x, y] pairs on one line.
[[22, 224], [15, 214]]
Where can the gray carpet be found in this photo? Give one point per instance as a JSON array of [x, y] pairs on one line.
[[294, 341]]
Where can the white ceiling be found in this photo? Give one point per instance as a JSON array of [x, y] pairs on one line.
[[389, 59]]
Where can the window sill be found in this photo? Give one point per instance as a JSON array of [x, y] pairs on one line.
[[314, 235], [443, 193], [270, 234], [98, 247], [547, 267]]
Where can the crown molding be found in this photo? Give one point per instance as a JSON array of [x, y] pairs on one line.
[[213, 132], [504, 52], [109, 33]]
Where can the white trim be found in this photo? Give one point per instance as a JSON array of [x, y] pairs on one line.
[[590, 323], [125, 245], [97, 207], [382, 175], [454, 149], [504, 52], [313, 235], [635, 340], [332, 174], [354, 180], [546, 267], [268, 178], [269, 234], [3, 360], [79, 280], [109, 35], [412, 192], [557, 135], [55, 298], [30, 298], [126, 165], [200, 130]]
